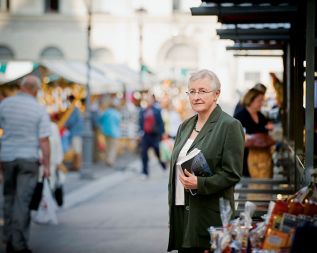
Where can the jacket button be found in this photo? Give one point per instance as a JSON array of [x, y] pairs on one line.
[[187, 208]]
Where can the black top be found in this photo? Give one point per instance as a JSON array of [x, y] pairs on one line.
[[250, 126], [239, 107]]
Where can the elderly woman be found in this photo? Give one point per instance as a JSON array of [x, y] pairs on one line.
[[221, 139]]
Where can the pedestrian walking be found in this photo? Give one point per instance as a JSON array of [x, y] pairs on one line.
[[151, 128], [221, 140], [110, 123], [73, 121], [26, 130]]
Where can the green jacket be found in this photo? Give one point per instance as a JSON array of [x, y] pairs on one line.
[[221, 140]]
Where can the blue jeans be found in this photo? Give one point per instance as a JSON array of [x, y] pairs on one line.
[[150, 141]]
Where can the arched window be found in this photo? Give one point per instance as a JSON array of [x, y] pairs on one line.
[[102, 55], [182, 55], [177, 57], [6, 53], [52, 53]]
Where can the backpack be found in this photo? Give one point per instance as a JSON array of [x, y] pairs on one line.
[[149, 121]]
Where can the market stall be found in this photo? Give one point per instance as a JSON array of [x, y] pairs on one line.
[[128, 77], [288, 225], [77, 72], [60, 80]]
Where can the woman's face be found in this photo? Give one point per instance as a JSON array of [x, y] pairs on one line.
[[201, 95], [257, 103]]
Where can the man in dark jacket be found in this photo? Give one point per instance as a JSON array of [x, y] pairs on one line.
[[151, 128]]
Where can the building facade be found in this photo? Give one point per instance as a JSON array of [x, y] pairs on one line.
[[161, 35]]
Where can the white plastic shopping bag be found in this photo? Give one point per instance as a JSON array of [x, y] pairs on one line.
[[46, 213]]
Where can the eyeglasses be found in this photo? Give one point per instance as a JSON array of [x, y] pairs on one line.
[[192, 93]]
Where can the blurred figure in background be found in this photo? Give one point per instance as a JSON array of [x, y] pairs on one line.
[[151, 128], [239, 107], [57, 155], [278, 87], [253, 121], [110, 124], [75, 126], [172, 119], [26, 131]]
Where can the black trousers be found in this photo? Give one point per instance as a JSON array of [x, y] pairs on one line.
[[150, 141]]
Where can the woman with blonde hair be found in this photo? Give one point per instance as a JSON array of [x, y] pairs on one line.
[[253, 122]]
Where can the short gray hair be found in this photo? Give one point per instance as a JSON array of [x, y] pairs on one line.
[[205, 73], [31, 82]]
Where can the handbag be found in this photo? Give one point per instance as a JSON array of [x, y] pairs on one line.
[[59, 195], [259, 140], [37, 196], [58, 192], [166, 148]]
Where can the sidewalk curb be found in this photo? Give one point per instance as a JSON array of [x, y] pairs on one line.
[[95, 187]]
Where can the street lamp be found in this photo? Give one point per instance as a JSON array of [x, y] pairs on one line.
[[140, 12], [86, 170]]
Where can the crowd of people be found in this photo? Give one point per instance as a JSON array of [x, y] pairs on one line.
[[114, 120], [226, 142]]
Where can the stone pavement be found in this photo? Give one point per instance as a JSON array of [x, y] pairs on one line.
[[129, 213], [78, 190]]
